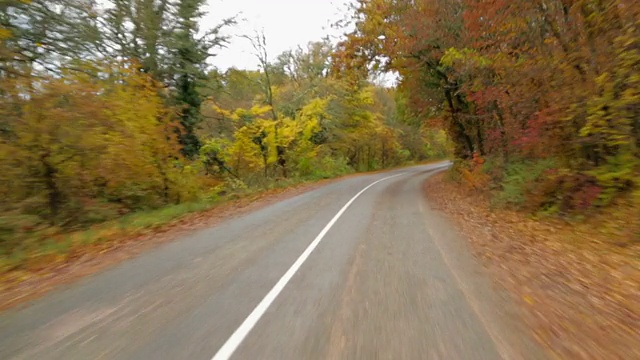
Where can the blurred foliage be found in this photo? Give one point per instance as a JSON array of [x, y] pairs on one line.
[[547, 91], [109, 110]]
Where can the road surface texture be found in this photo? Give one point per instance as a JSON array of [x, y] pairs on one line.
[[307, 278]]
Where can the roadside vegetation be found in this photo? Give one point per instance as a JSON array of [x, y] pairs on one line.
[[113, 121], [540, 98]]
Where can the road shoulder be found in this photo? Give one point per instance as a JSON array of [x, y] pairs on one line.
[[580, 298]]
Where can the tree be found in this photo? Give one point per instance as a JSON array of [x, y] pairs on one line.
[[78, 141], [259, 43], [189, 54], [411, 38], [539, 82], [47, 35], [140, 30]]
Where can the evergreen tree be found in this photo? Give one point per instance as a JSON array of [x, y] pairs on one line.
[[189, 52]]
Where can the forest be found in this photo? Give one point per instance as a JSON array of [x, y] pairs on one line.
[[540, 98], [113, 108]]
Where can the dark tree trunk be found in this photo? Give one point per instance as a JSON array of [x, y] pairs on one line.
[[54, 195], [462, 141]]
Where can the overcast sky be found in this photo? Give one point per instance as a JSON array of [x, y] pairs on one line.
[[286, 23]]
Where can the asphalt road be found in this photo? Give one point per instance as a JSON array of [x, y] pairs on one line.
[[385, 278]]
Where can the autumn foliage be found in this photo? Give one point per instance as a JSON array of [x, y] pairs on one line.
[[112, 109], [82, 149], [544, 88]]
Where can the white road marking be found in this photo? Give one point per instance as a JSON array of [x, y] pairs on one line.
[[239, 335]]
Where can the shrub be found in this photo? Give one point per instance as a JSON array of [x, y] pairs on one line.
[[519, 179]]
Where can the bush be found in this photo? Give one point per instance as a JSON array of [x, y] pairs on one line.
[[564, 192], [457, 169], [326, 167], [519, 179], [12, 230]]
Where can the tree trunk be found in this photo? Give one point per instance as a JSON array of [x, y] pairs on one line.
[[503, 132], [54, 194], [458, 133]]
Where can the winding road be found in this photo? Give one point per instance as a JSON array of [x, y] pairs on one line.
[[362, 268]]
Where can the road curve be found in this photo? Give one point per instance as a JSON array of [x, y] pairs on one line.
[[385, 278]]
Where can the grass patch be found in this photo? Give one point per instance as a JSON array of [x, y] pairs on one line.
[[152, 218], [36, 248]]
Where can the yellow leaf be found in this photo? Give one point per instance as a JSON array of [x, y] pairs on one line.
[[5, 33]]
